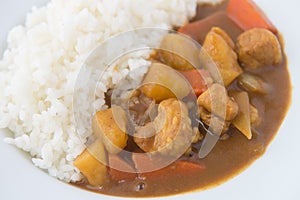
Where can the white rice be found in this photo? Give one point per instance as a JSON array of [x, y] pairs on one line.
[[43, 58]]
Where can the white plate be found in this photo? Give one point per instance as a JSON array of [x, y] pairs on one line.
[[275, 176]]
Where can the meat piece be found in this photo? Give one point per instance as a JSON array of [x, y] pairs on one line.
[[175, 133], [170, 133], [217, 101], [144, 137], [219, 47], [216, 124], [258, 48]]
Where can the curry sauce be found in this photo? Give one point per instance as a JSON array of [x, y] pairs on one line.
[[229, 157]]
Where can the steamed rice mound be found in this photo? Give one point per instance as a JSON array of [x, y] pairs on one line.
[[38, 70]]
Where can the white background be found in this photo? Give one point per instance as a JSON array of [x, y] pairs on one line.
[[275, 176]]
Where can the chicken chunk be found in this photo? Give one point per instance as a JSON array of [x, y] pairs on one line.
[[171, 128], [258, 48], [220, 48], [145, 135], [216, 124], [217, 101]]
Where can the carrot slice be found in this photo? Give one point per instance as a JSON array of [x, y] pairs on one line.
[[178, 168], [197, 79], [199, 29], [144, 162], [248, 15]]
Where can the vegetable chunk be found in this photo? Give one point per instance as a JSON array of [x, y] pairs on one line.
[[242, 122], [199, 29], [179, 52], [92, 164], [247, 15], [144, 164], [220, 48], [178, 168], [163, 82], [198, 79], [110, 126]]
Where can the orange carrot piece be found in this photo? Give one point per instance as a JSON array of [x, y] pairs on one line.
[[248, 15], [178, 168], [143, 163], [199, 29], [197, 79], [123, 172]]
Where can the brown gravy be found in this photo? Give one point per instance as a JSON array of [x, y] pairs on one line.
[[229, 157]]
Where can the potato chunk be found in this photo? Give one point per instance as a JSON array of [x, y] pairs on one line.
[[179, 52], [110, 126], [219, 46], [163, 82], [92, 164], [258, 47]]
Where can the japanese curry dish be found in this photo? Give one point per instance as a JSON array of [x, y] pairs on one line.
[[209, 99], [254, 91]]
